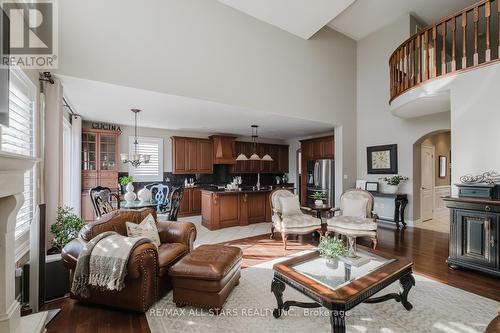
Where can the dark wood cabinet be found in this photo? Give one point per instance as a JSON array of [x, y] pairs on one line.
[[314, 149], [474, 234], [191, 202], [279, 153], [191, 155], [99, 165]]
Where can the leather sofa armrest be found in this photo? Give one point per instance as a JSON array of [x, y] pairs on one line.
[[144, 258], [177, 232], [71, 252]]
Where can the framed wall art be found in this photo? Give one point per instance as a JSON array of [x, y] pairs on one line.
[[382, 159]]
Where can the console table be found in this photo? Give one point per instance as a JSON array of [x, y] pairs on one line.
[[400, 203]]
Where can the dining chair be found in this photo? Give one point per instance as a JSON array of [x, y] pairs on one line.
[[175, 202], [160, 193], [101, 200]]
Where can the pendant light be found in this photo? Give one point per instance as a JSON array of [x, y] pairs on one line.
[[254, 156], [135, 159]]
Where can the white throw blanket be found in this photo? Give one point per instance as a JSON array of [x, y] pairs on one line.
[[103, 262]]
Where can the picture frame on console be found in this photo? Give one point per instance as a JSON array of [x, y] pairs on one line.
[[382, 159]]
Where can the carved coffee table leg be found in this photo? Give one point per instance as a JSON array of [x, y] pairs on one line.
[[337, 319], [277, 287], [406, 282]]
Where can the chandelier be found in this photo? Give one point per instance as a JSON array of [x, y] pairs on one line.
[[254, 156], [135, 159]]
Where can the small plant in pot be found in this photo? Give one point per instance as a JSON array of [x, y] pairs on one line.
[[332, 249], [392, 183], [318, 198], [124, 181], [65, 229]]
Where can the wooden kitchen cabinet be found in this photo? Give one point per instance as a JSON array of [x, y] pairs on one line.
[[191, 155], [279, 153], [191, 202], [318, 148], [224, 149]]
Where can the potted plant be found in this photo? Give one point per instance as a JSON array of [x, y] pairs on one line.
[[392, 183], [124, 181], [65, 229], [332, 249], [318, 198]]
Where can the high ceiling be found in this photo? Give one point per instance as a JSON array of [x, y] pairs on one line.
[[99, 101], [364, 17], [300, 17]]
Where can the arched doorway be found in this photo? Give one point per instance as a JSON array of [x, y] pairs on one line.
[[432, 180]]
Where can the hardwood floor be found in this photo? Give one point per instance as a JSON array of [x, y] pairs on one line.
[[427, 248]]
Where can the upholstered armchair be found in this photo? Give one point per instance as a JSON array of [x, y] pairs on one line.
[[147, 277], [289, 218], [354, 218]]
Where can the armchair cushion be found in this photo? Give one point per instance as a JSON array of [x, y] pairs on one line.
[[290, 206], [351, 222], [355, 207], [299, 221]]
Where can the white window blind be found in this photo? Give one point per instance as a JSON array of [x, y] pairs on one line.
[[18, 138], [153, 171]]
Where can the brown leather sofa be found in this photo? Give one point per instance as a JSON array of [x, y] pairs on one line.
[[147, 278]]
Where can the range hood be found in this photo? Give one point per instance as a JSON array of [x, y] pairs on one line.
[[223, 149]]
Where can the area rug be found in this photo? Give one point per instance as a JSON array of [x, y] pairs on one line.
[[436, 308]]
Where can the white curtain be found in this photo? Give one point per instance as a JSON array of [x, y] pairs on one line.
[[76, 148], [53, 151]]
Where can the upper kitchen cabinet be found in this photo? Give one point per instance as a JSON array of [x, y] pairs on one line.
[[318, 148], [191, 155], [279, 153], [224, 150]]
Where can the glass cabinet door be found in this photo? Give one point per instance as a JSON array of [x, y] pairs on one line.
[[107, 148], [89, 146]]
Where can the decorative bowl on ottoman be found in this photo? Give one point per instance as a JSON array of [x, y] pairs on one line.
[[206, 276]]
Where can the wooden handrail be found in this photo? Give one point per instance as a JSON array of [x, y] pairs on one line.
[[435, 51]]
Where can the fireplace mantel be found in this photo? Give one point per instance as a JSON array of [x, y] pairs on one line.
[[12, 169]]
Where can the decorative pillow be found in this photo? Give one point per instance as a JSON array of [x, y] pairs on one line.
[[290, 206], [147, 228], [354, 207]]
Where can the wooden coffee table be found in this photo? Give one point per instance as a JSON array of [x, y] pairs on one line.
[[341, 289]]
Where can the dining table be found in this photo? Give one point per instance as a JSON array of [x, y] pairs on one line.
[[137, 204]]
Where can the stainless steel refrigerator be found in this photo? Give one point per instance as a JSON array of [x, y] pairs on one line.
[[320, 178]]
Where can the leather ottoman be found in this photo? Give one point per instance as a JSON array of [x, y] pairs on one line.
[[206, 276]]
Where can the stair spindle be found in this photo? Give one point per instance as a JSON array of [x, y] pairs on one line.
[[443, 52], [453, 44], [419, 59], [434, 52], [487, 14], [464, 40], [426, 55], [476, 37]]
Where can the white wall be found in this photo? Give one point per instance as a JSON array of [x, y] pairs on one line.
[[375, 123], [204, 49], [475, 123]]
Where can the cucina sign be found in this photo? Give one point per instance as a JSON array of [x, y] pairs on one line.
[[107, 127]]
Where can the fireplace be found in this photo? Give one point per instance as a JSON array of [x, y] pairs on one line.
[[12, 169]]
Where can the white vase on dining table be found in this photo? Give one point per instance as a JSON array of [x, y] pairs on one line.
[[130, 195]]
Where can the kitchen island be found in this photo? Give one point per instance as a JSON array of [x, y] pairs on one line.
[[230, 208]]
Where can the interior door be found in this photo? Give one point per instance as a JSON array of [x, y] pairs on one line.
[[427, 183]]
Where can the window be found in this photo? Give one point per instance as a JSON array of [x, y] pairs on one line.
[[153, 171], [19, 138]]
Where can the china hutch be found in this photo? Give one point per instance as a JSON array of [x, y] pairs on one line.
[[100, 160]]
